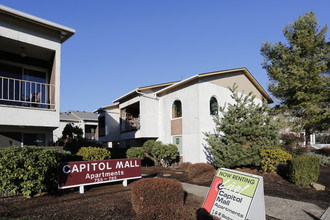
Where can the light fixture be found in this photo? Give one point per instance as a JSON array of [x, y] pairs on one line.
[[23, 54]]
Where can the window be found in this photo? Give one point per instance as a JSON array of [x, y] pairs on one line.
[[22, 86], [177, 140], [90, 131], [176, 109], [214, 106], [34, 139]]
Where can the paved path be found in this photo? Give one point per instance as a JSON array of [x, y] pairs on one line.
[[276, 207]]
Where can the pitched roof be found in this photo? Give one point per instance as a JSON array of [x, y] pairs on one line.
[[161, 88], [86, 116], [144, 88], [67, 116], [101, 109], [198, 76], [77, 116]]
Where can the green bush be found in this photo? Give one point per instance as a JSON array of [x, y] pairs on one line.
[[94, 153], [147, 194], [74, 145], [271, 159], [135, 152], [201, 172], [303, 170], [28, 170], [160, 154]]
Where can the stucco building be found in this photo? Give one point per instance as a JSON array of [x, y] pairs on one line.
[[87, 121], [30, 62], [176, 112]]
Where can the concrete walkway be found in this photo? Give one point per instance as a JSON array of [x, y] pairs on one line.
[[276, 207]]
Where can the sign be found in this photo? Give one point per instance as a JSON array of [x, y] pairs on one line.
[[80, 173], [235, 195]]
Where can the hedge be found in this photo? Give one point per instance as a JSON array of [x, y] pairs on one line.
[[28, 170], [94, 153], [149, 194], [303, 170], [201, 172]]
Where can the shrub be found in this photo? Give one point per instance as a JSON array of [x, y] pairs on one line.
[[271, 159], [324, 160], [147, 194], [135, 152], [28, 170], [201, 172], [303, 170], [184, 165], [94, 153], [74, 145], [160, 154]]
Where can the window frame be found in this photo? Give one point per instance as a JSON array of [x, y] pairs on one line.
[[176, 115], [211, 110]]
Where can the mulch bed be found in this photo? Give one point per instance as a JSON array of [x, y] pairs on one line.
[[113, 201]]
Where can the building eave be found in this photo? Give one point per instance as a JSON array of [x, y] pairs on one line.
[[101, 109], [198, 76], [141, 89], [66, 32]]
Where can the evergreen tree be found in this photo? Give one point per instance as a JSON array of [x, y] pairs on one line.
[[242, 131], [299, 73], [70, 131]]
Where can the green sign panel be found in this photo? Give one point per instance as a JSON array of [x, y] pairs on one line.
[[238, 183], [231, 195]]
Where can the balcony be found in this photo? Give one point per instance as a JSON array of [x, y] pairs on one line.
[[130, 124], [18, 92]]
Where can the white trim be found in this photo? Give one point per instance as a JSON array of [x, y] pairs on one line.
[[63, 29], [123, 96], [176, 84]]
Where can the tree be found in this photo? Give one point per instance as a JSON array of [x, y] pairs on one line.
[[72, 136], [160, 154], [299, 73], [72, 132], [242, 131]]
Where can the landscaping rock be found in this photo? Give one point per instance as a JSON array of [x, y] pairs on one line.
[[318, 186]]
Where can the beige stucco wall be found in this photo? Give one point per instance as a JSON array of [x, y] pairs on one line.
[[228, 80]]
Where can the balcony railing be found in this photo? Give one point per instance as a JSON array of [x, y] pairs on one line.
[[26, 93], [131, 124], [90, 136]]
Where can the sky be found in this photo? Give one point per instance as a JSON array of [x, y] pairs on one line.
[[121, 45]]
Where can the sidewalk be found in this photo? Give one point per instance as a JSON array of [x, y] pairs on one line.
[[276, 207]]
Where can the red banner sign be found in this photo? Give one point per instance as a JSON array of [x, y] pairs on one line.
[[73, 174]]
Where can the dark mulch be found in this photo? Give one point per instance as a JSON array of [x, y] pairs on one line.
[[113, 201], [274, 185]]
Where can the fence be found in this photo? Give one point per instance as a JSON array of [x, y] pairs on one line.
[[26, 93]]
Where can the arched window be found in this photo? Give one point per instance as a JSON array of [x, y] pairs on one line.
[[176, 109], [213, 106]]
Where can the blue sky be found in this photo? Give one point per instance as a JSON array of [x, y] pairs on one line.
[[124, 44]]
